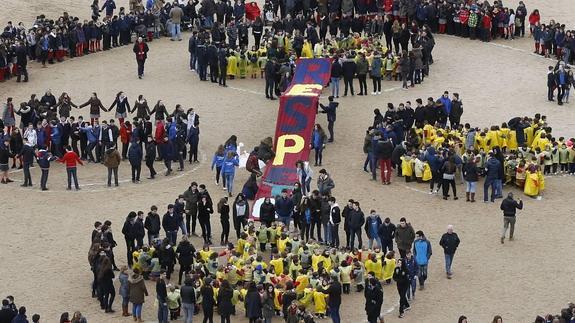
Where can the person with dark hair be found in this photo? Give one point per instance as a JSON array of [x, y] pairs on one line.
[[253, 303], [373, 299], [330, 110], [170, 224], [129, 232], [224, 211], [191, 196], [205, 209], [188, 295], [71, 159], [509, 207], [401, 277], [208, 302], [240, 213], [422, 252], [6, 313], [106, 293], [356, 222], [138, 291], [162, 297], [225, 301]]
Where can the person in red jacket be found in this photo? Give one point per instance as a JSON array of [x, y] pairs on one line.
[[71, 160], [486, 27], [125, 136], [159, 138]]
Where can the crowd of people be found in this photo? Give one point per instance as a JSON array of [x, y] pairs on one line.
[[47, 132], [271, 270], [421, 145]]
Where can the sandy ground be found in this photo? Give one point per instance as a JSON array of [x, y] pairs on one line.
[[45, 236]]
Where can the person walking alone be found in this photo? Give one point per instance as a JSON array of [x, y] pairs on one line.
[[449, 242], [141, 50], [509, 207]]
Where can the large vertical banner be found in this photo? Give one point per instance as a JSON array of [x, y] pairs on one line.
[[296, 118]]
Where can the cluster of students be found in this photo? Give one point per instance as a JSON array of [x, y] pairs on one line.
[[300, 279], [552, 39], [482, 20], [52, 40], [520, 152], [47, 132], [10, 313]]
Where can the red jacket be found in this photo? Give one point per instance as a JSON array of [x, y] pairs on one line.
[[125, 133], [534, 19], [486, 22], [71, 159], [160, 133]]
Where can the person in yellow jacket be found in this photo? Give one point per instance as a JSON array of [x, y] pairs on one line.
[[439, 140], [278, 263], [428, 133], [541, 140], [253, 62], [492, 138], [320, 302], [232, 64], [503, 136], [302, 282], [345, 276], [530, 133], [307, 50], [480, 142], [512, 141], [372, 264], [407, 164], [389, 266]]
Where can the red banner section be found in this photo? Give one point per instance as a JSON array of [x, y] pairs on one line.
[[296, 118]]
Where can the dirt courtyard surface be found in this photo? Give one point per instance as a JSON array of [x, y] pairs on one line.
[[44, 238]]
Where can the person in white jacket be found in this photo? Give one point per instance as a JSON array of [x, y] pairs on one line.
[[31, 135], [304, 176]]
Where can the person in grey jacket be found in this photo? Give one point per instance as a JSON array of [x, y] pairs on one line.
[[375, 73], [325, 183], [362, 67]]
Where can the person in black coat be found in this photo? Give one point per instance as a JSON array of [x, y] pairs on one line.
[[330, 110], [141, 50], [205, 209], [387, 235], [185, 253], [356, 222], [171, 225], [270, 75], [509, 206], [166, 257], [223, 65], [151, 156], [212, 53], [267, 212], [128, 230], [373, 299], [315, 208], [401, 277], [225, 305], [551, 84], [349, 70], [28, 156], [162, 296], [152, 224], [208, 303], [22, 61]]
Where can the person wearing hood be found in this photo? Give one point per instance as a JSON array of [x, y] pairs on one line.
[[240, 213], [135, 156], [422, 253], [112, 159], [372, 225], [330, 110], [491, 176], [138, 292]]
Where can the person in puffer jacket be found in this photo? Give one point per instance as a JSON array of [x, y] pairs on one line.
[[229, 169]]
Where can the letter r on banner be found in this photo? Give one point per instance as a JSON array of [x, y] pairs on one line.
[[282, 149]]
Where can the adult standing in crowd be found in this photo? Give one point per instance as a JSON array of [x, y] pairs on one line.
[[509, 207], [404, 236], [141, 50], [449, 242], [422, 253]]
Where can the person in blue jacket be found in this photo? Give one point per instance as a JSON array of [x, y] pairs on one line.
[[284, 208], [56, 138], [168, 146], [318, 139], [435, 162], [422, 253], [92, 134], [229, 169], [218, 162], [411, 265], [446, 103], [44, 158], [109, 5]]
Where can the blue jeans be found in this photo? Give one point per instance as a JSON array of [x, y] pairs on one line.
[[183, 227], [188, 312], [334, 314], [448, 262], [489, 182], [162, 312], [193, 59], [335, 86], [137, 310], [470, 187], [285, 220], [377, 240], [208, 21], [229, 182], [412, 287], [71, 171], [176, 31], [173, 236], [327, 233], [498, 188]]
